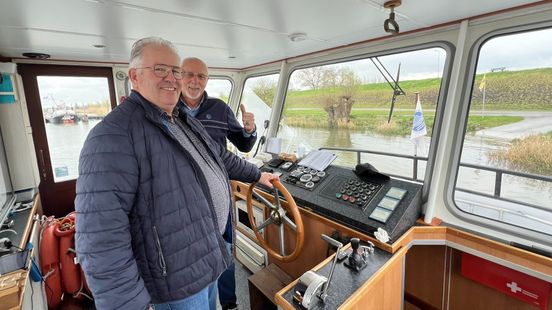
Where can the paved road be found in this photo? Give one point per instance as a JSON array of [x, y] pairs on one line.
[[533, 123]]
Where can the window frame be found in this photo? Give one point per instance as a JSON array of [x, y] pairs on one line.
[[223, 77], [449, 49], [459, 135]]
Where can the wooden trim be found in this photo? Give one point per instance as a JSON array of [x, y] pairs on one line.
[[353, 301], [30, 221], [420, 233], [502, 251], [483, 245]]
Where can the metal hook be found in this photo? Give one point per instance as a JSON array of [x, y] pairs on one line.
[[390, 25]]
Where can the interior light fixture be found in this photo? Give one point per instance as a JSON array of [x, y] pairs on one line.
[[390, 25], [297, 36]]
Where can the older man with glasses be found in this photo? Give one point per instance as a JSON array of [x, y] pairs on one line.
[[215, 115], [221, 124], [153, 197]]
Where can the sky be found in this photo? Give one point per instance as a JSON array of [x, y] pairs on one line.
[[512, 52], [71, 90]]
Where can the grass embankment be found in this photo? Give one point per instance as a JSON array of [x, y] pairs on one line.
[[507, 90], [376, 120], [515, 90]]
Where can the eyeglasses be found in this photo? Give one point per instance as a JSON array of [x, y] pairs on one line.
[[162, 71], [190, 75]]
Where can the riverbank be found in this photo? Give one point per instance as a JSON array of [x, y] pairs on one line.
[[374, 119]]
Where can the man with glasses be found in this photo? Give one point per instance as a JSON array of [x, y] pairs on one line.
[[221, 124], [153, 196], [215, 115]]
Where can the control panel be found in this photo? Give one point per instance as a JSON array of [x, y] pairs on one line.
[[305, 177], [365, 203]]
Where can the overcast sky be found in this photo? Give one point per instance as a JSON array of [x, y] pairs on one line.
[[72, 90], [512, 52]]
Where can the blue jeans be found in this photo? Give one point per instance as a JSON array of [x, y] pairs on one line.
[[205, 299], [227, 283]]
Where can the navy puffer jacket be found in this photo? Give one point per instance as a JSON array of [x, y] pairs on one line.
[[146, 227]]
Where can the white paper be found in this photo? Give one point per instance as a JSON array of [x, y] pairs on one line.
[[274, 145], [319, 160]]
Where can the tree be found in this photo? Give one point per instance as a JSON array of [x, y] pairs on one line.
[[315, 77], [339, 98], [266, 90]]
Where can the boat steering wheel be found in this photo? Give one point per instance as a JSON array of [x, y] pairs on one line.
[[278, 216]]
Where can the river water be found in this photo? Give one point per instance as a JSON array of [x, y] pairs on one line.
[[476, 150]]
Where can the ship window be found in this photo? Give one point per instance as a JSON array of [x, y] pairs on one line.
[[257, 97], [219, 88], [71, 107], [505, 165], [367, 104]]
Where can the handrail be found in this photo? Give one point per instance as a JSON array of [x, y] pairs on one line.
[[359, 152], [499, 172]]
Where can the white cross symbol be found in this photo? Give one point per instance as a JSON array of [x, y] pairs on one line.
[[513, 287]]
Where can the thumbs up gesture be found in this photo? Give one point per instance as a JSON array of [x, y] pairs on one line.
[[248, 120]]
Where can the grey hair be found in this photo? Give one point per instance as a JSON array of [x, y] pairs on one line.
[[138, 49]]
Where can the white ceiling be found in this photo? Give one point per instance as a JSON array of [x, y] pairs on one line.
[[253, 32]]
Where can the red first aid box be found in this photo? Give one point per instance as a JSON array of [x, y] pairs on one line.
[[511, 282]]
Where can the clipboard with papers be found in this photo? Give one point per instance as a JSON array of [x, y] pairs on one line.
[[318, 160]]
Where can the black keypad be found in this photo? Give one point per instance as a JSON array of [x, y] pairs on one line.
[[354, 192]]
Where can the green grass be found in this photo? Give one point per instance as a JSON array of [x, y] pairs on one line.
[[478, 122], [529, 90], [376, 120]]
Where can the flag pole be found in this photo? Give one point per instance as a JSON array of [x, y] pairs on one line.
[[483, 88], [484, 91], [416, 140]]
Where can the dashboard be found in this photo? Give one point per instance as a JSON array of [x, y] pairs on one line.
[[365, 203]]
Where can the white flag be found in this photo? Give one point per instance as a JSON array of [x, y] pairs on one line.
[[418, 124]]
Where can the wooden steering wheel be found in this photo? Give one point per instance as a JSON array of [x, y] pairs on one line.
[[278, 217]]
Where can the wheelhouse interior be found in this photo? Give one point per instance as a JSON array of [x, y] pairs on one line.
[[449, 101]]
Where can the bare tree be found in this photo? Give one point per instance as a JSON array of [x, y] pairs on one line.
[[266, 90], [315, 77], [339, 98]]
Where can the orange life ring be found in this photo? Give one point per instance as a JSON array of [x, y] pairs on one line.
[[73, 215], [49, 263], [70, 271]]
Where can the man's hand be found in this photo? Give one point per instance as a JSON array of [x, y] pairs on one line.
[[248, 120], [266, 178]]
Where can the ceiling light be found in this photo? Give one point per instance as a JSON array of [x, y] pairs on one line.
[[297, 36], [36, 55]]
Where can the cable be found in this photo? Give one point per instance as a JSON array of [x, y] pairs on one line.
[[262, 139], [32, 291]]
